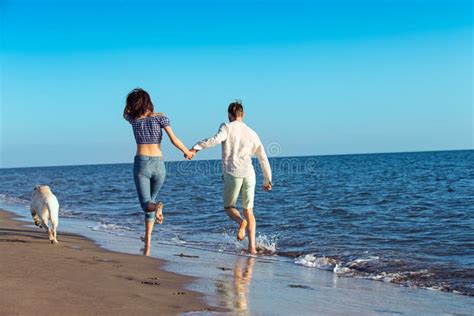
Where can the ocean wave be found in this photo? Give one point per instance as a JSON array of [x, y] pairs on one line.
[[68, 213], [395, 271], [14, 201], [111, 228]]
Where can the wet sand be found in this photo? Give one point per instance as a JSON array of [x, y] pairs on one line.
[[77, 277]]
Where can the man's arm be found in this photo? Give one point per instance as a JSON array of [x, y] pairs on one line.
[[265, 165], [213, 141]]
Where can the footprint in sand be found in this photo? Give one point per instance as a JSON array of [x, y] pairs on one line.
[[299, 286], [224, 268], [151, 283], [87, 262], [105, 260], [14, 240], [182, 255]]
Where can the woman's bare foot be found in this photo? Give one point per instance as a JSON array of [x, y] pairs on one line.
[[241, 232], [159, 213]]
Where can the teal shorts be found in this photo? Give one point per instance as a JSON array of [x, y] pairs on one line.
[[233, 187]]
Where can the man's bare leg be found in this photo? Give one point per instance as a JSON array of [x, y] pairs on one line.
[[148, 230], [252, 225], [235, 215]]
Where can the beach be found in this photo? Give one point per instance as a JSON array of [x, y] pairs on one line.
[[390, 238], [77, 277], [88, 280]]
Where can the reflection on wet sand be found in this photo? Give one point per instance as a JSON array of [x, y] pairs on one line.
[[233, 292]]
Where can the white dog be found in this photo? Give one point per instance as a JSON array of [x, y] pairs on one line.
[[45, 203]]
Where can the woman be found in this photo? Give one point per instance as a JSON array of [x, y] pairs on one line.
[[149, 169]]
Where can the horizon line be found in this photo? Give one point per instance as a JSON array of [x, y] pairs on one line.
[[270, 157]]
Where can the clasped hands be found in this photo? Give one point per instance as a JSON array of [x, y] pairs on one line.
[[189, 154]]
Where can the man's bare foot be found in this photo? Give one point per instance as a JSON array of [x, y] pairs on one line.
[[252, 251], [159, 213], [241, 233]]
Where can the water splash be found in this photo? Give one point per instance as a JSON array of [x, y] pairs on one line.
[[312, 261], [266, 245]]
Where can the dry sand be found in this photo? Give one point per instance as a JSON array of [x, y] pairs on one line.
[[77, 277]]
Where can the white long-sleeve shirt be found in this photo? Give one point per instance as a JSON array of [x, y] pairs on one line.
[[239, 144]]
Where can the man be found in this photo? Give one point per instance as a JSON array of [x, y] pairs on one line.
[[239, 144]]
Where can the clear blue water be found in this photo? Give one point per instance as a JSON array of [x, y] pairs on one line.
[[406, 218]]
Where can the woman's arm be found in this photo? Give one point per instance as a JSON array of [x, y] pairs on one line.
[[177, 142]]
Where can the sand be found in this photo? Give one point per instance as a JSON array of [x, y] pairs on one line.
[[76, 277]]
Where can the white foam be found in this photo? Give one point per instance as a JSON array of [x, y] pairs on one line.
[[177, 241], [312, 261], [341, 270], [369, 259], [110, 228]]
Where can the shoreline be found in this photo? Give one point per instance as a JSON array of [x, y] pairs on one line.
[[79, 277], [228, 282]]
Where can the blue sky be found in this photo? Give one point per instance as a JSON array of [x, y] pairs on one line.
[[316, 77]]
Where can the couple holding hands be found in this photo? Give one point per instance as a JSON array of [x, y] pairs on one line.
[[239, 144]]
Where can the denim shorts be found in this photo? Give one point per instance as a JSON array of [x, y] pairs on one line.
[[149, 173], [233, 187]]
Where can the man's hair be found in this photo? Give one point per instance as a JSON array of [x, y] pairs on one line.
[[236, 109]]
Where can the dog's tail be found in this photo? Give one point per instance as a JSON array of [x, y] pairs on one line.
[[36, 218]]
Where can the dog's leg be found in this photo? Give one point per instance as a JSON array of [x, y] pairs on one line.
[[54, 221], [45, 224]]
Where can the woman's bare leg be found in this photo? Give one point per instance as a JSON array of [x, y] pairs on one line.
[[148, 230], [252, 225], [235, 215]]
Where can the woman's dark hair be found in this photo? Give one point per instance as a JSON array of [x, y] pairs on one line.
[[138, 103], [236, 109]]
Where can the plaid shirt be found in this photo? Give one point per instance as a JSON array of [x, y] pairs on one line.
[[148, 130]]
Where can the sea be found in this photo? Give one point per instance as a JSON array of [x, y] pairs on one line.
[[399, 218]]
